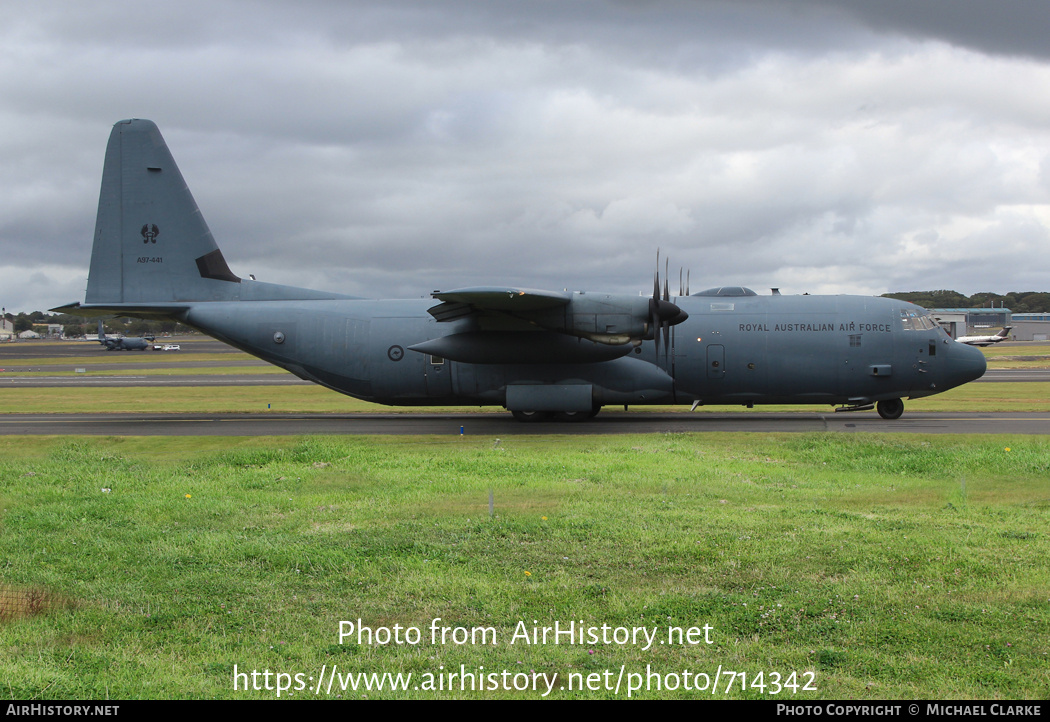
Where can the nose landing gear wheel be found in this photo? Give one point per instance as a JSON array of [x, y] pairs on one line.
[[890, 408]]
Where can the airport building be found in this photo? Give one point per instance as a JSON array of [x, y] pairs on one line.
[[1031, 327], [972, 321]]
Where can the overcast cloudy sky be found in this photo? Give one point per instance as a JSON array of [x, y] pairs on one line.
[[392, 148]]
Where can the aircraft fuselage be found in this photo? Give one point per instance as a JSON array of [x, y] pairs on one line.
[[531, 350], [730, 350]]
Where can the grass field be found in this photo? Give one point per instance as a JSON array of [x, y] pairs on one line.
[[819, 566], [997, 397], [985, 397], [1017, 357], [861, 567], [172, 371], [102, 358]]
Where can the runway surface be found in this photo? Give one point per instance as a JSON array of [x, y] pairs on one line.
[[16, 359], [501, 424], [101, 378], [98, 366], [1015, 375], [131, 381], [20, 357], [94, 367], [22, 351]]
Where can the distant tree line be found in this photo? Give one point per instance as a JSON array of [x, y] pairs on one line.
[[1016, 301], [75, 326]]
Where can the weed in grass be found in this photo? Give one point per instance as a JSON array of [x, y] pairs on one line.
[[19, 603]]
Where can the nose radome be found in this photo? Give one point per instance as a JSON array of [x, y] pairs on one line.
[[967, 364]]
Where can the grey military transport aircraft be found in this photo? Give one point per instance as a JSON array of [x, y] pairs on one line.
[[537, 353], [123, 344]]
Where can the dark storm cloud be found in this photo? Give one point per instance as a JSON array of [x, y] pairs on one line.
[[1012, 27], [393, 148]]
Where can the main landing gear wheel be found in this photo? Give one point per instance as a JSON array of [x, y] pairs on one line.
[[578, 415], [890, 408], [530, 416]]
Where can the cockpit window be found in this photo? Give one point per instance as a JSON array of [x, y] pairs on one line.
[[913, 319]]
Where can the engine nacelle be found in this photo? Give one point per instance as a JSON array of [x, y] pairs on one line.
[[608, 318]]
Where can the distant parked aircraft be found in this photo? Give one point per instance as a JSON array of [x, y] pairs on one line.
[[985, 340], [123, 344]]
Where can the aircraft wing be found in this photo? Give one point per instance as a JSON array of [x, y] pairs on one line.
[[507, 325], [463, 302], [511, 325]]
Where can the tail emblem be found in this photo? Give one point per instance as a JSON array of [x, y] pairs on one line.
[[150, 233]]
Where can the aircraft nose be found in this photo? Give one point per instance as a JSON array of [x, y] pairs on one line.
[[967, 363]]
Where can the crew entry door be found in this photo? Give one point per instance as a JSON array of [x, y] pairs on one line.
[[716, 361]]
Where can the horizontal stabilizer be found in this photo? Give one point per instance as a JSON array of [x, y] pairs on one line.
[[138, 310]]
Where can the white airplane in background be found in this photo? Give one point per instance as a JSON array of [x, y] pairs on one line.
[[985, 340]]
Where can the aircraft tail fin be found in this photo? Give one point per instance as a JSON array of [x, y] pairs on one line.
[[101, 333], [1005, 332], [151, 243]]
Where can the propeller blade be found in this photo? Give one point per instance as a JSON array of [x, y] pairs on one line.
[[654, 315], [662, 312], [656, 277]]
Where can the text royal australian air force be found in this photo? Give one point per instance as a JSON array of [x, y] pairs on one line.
[[843, 326]]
